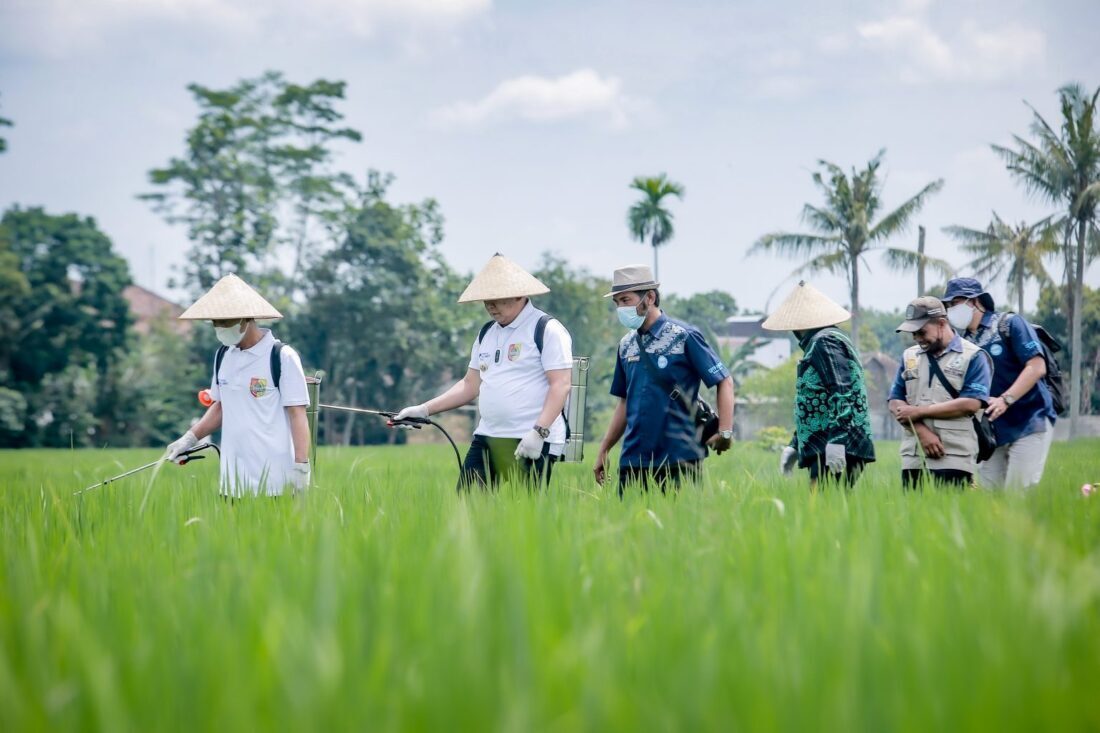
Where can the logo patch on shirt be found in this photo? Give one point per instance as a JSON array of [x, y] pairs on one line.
[[662, 361], [514, 351], [258, 387], [996, 349]]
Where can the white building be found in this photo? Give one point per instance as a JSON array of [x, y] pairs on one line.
[[775, 346]]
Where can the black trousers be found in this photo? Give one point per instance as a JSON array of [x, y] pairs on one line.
[[661, 475], [820, 472], [478, 468], [914, 478]]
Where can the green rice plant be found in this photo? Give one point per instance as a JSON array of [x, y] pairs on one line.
[[382, 600]]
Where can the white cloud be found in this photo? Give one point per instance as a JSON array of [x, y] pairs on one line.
[[60, 28], [583, 94], [968, 53]]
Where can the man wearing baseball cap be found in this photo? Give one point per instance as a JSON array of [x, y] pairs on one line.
[[939, 434], [260, 397]]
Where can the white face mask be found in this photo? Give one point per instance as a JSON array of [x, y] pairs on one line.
[[230, 335], [959, 316]]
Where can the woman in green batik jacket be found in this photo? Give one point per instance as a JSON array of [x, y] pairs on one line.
[[832, 420]]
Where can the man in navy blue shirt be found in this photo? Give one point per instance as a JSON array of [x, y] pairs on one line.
[[661, 443], [1020, 406]]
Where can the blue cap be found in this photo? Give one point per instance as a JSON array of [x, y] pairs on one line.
[[967, 287]]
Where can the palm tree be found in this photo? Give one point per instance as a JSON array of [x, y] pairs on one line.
[[648, 219], [847, 232], [1063, 167], [1015, 252]]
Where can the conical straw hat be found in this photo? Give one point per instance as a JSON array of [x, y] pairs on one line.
[[805, 308], [502, 278], [229, 299]]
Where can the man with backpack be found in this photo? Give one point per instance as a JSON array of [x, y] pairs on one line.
[[259, 393], [519, 372], [1020, 404]]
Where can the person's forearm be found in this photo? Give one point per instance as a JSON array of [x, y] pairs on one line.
[[892, 405], [958, 407], [1034, 370], [461, 393], [615, 428], [209, 422], [299, 432], [556, 396], [726, 400]]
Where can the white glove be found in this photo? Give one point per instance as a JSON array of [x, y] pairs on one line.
[[835, 458], [787, 460], [299, 477], [186, 442], [420, 411], [530, 446]]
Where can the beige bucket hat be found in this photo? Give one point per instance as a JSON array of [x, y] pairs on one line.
[[502, 278], [805, 308], [631, 278], [230, 298]]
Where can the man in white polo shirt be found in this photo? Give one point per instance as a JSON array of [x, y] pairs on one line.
[[519, 371], [260, 397]]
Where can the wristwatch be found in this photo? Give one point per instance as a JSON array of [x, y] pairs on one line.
[[726, 434], [1009, 399], [544, 433]]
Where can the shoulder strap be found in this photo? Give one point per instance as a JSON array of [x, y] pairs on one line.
[[484, 330], [276, 363], [1002, 324], [934, 365], [540, 330], [674, 391], [218, 360]]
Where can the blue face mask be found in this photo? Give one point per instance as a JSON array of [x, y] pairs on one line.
[[628, 316]]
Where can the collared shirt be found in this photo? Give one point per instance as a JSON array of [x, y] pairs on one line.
[[978, 375], [1033, 412], [513, 376], [830, 404], [659, 428], [257, 452]]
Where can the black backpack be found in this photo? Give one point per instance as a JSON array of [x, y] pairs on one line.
[[1054, 378], [276, 362], [540, 337]]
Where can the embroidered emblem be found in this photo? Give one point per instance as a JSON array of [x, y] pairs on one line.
[[996, 349], [911, 363], [514, 351], [662, 361], [258, 387], [957, 362]]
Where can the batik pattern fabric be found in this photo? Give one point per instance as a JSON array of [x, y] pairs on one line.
[[830, 404]]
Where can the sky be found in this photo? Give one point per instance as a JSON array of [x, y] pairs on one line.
[[526, 121]]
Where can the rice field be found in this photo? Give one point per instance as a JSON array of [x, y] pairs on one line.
[[382, 601]]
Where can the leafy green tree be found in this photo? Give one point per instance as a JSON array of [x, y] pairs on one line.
[[1016, 253], [69, 323], [847, 229], [1050, 312], [1062, 167], [381, 318], [649, 219], [706, 311], [260, 148]]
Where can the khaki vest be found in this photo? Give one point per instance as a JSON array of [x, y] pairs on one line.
[[960, 442]]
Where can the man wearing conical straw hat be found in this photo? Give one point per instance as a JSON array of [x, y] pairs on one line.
[[259, 393], [519, 371], [832, 418]]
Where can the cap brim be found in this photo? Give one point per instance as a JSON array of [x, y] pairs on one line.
[[912, 326]]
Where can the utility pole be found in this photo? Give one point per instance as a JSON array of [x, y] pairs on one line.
[[920, 261]]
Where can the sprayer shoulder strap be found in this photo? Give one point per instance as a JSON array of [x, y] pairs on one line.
[[276, 362], [540, 330]]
